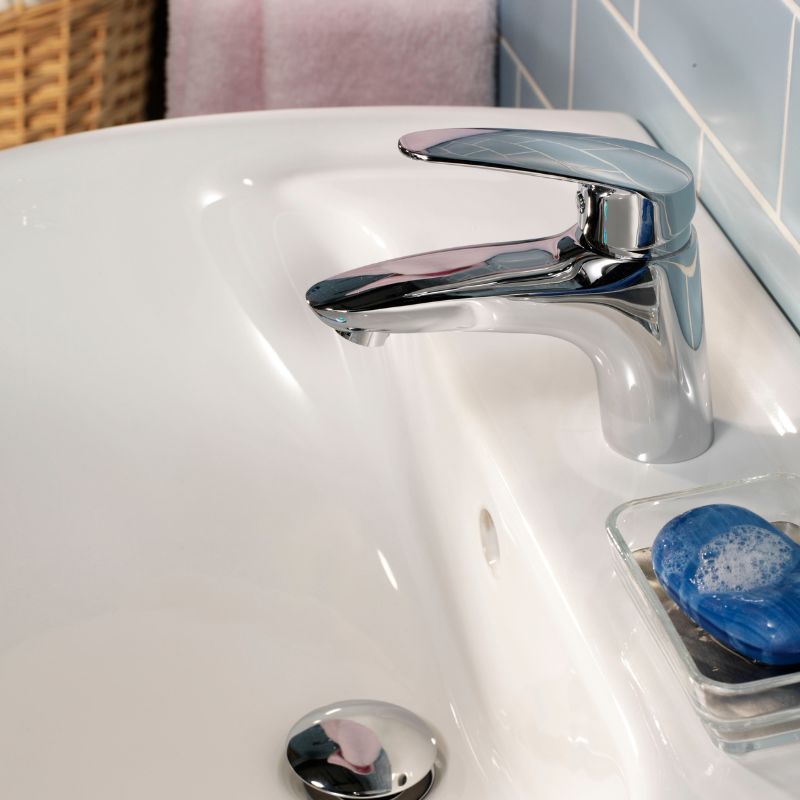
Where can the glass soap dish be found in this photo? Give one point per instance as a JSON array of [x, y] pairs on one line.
[[744, 705]]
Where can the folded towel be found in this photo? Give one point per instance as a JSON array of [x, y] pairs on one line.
[[247, 54], [391, 52], [214, 58]]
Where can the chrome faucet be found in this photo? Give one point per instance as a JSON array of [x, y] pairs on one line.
[[623, 284]]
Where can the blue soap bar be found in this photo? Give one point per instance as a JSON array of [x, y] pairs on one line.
[[736, 576]]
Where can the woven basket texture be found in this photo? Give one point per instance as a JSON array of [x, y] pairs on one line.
[[72, 65]]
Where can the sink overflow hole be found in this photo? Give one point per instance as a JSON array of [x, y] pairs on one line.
[[489, 541]]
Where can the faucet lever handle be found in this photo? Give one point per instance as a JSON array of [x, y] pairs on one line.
[[632, 198]]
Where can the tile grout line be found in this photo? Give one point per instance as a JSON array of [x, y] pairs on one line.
[[573, 35], [637, 6], [723, 152], [793, 6], [522, 72], [699, 177], [782, 163]]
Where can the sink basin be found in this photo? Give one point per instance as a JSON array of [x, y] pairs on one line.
[[216, 515]]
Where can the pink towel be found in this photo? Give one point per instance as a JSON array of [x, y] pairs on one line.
[[378, 52], [214, 60], [246, 54]]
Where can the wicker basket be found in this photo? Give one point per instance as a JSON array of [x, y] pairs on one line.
[[72, 65]]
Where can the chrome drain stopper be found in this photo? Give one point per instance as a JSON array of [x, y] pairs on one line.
[[363, 748]]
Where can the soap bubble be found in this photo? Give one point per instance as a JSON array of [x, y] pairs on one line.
[[675, 557], [744, 558]]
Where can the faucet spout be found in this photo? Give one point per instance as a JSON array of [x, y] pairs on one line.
[[635, 310], [365, 338], [436, 291]]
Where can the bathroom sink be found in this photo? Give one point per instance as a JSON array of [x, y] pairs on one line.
[[216, 515]]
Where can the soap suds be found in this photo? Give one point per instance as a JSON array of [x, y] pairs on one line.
[[675, 559], [744, 558]]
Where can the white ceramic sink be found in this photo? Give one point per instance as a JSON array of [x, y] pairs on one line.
[[216, 515]]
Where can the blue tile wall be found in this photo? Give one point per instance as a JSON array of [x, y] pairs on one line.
[[627, 8], [600, 40], [791, 174], [726, 72], [528, 97], [734, 206], [507, 78], [539, 33], [701, 46]]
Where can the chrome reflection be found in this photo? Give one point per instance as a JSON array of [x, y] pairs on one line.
[[363, 748], [623, 285]]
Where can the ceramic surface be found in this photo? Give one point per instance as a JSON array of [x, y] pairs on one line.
[[216, 515]]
